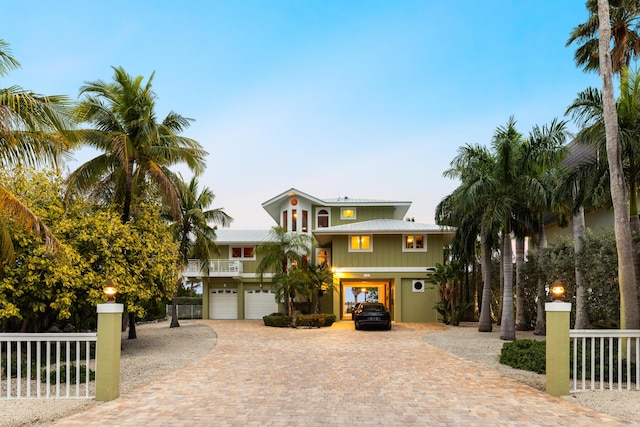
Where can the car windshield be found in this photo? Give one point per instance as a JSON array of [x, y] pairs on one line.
[[373, 307]]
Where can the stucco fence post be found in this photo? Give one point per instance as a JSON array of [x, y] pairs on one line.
[[557, 348], [108, 351]]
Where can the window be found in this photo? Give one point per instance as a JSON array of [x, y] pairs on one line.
[[305, 221], [322, 257], [347, 213], [414, 242], [242, 252], [294, 220], [360, 244], [323, 218], [285, 221]]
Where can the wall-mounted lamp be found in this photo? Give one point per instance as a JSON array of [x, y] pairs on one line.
[[557, 291], [110, 291]]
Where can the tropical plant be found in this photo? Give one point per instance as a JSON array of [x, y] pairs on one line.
[[623, 19], [193, 228], [33, 132], [285, 253], [136, 150], [629, 312], [320, 281]]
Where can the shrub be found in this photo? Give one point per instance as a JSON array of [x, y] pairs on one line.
[[528, 355], [277, 320], [315, 320]]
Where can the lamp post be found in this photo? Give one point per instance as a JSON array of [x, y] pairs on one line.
[[108, 346], [557, 343]]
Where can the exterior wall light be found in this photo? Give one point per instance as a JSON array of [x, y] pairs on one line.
[[557, 291], [110, 291]]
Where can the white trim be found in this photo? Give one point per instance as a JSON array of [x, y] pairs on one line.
[[557, 306], [328, 211], [110, 308], [383, 269]]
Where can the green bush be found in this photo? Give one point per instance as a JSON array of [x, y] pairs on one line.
[[315, 320], [72, 374], [528, 355], [277, 320]]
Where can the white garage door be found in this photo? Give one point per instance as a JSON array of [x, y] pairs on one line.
[[223, 304], [259, 303]]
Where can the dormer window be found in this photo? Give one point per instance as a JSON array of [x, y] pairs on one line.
[[348, 213]]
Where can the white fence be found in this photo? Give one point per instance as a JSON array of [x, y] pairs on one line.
[[36, 366], [596, 352], [186, 311]]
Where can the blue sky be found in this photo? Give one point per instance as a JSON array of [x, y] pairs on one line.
[[357, 98]]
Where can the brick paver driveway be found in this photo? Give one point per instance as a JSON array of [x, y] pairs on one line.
[[259, 376]]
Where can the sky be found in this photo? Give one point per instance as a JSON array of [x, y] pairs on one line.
[[358, 98]]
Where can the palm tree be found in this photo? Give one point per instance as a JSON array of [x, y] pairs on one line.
[[286, 252], [193, 230], [474, 166], [624, 19], [136, 149], [320, 282], [33, 132], [629, 315]]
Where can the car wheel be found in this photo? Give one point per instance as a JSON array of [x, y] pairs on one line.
[[357, 327], [389, 327]]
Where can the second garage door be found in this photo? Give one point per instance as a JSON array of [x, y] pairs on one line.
[[259, 303]]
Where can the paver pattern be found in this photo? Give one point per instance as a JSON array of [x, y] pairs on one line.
[[259, 376]]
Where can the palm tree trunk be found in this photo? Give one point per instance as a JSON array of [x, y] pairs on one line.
[[485, 323], [626, 271], [132, 326], [507, 327], [541, 324], [582, 318], [174, 310], [521, 318]]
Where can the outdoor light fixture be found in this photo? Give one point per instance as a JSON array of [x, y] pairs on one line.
[[110, 291], [557, 291]]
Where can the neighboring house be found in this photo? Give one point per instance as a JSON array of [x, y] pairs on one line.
[[373, 252]]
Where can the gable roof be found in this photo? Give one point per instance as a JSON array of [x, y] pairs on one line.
[[272, 206], [380, 226]]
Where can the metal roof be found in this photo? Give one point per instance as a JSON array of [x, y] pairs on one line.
[[226, 236], [385, 226]]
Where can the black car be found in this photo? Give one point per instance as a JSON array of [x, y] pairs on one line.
[[372, 314]]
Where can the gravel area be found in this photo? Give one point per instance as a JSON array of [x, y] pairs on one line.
[[484, 348], [159, 350]]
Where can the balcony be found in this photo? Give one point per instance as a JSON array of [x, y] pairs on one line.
[[217, 268]]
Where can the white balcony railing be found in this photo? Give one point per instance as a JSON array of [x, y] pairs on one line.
[[216, 268], [609, 348]]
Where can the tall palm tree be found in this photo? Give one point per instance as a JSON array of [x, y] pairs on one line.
[[629, 314], [33, 132], [136, 149], [474, 166], [193, 228], [284, 253], [624, 19]]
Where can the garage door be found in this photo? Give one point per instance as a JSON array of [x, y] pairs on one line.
[[259, 303], [223, 304]]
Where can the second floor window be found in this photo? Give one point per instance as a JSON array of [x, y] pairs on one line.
[[347, 213], [414, 242], [285, 221], [360, 243], [242, 252]]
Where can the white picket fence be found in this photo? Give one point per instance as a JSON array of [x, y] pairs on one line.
[[37, 366], [617, 347], [185, 311]]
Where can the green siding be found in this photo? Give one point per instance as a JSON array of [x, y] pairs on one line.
[[363, 213], [419, 306]]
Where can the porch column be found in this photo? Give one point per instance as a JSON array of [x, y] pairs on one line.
[[108, 351]]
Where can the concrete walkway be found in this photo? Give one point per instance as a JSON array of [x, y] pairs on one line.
[[259, 376]]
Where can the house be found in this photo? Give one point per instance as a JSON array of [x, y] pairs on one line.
[[373, 252]]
